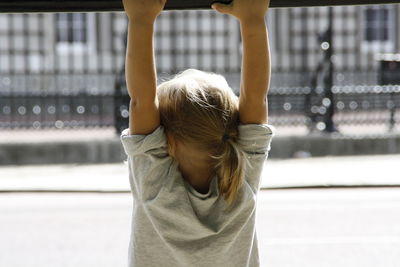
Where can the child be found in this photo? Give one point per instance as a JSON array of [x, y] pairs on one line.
[[196, 151]]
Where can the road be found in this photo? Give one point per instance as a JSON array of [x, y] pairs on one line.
[[301, 227]]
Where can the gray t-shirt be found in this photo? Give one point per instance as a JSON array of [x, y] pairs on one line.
[[173, 224]]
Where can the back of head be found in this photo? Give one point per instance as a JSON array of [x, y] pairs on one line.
[[200, 108]]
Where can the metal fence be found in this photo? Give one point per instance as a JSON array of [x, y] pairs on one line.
[[333, 68]]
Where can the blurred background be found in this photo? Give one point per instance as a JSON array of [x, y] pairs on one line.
[[330, 191], [334, 69]]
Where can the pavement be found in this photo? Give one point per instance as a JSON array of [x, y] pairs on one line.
[[305, 228], [339, 212], [307, 172]]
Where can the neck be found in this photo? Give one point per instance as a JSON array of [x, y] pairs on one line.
[[198, 178]]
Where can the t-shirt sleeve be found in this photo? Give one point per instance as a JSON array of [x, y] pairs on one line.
[[255, 141], [148, 161], [154, 144]]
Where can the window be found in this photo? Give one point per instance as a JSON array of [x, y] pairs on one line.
[[75, 32], [72, 27], [379, 28], [377, 24]]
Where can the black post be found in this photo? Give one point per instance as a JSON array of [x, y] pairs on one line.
[[392, 108], [328, 79], [389, 75], [121, 96]]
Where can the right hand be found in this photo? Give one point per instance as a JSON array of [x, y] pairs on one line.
[[143, 11], [243, 9]]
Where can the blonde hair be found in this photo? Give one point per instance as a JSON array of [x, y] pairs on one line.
[[200, 108]]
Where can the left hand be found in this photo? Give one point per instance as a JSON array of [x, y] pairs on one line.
[[143, 11], [244, 10]]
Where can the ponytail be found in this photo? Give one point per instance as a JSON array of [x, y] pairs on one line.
[[230, 167]]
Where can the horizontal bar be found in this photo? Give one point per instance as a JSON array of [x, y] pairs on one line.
[[27, 6]]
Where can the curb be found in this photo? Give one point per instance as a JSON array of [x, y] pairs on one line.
[[111, 151], [334, 145], [69, 152]]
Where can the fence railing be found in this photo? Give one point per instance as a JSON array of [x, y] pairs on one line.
[[58, 111], [355, 106]]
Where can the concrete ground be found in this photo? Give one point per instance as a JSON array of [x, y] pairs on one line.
[[319, 227], [307, 227]]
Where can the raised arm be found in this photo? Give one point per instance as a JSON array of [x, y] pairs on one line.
[[140, 70], [256, 64], [256, 72]]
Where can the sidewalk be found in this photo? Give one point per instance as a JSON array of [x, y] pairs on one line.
[[310, 172], [358, 227]]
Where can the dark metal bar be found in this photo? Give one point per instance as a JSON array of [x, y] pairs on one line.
[[19, 6], [328, 79]]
